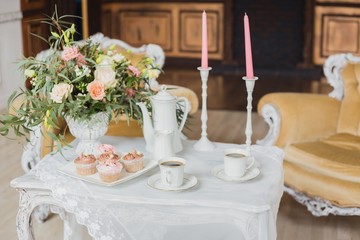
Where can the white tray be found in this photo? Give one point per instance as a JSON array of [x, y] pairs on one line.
[[70, 170]]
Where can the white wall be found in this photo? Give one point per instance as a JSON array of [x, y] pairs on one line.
[[10, 49]]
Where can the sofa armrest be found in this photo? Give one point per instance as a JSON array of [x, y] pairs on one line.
[[296, 117]]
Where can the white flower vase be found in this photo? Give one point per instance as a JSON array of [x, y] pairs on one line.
[[87, 132]]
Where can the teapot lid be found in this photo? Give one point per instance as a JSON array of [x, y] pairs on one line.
[[163, 94]]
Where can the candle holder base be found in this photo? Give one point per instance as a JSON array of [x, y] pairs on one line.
[[250, 83], [204, 144]]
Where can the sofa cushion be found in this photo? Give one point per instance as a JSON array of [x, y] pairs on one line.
[[339, 192], [349, 118], [337, 156]]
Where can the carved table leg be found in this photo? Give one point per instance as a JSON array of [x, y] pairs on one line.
[[41, 213], [29, 158], [32, 199], [23, 220]]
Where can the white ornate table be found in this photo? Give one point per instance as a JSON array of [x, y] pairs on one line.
[[132, 210]]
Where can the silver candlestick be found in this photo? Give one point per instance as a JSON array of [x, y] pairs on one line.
[[204, 144], [250, 83]]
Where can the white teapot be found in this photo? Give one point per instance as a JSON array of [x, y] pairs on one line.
[[163, 144], [163, 118]]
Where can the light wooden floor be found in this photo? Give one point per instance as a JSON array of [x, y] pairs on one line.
[[294, 222]]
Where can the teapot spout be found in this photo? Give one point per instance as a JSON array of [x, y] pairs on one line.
[[148, 128]]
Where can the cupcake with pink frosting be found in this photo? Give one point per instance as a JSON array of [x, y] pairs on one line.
[[85, 164], [103, 148], [107, 152], [108, 157], [109, 170], [133, 161]]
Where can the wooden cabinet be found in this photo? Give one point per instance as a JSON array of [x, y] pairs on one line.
[[190, 31], [176, 27], [138, 28], [33, 10], [336, 28], [29, 5], [31, 27]]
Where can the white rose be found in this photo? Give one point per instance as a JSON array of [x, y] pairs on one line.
[[78, 72], [29, 73], [60, 91], [106, 60], [86, 70], [118, 57], [106, 75], [153, 73]]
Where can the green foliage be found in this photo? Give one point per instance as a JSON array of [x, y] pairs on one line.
[[63, 83]]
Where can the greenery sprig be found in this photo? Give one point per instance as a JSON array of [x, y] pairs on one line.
[[77, 79]]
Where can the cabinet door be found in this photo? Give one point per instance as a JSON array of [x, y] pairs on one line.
[[337, 30], [30, 5], [31, 43], [190, 33], [33, 10], [176, 27], [137, 27]]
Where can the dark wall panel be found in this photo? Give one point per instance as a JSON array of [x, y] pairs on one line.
[[277, 30]]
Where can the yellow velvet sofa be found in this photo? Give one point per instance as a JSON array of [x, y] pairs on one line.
[[320, 135], [41, 144]]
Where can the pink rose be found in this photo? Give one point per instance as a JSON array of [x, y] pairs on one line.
[[106, 75], [80, 60], [135, 71], [96, 89], [60, 91], [106, 148], [130, 92], [69, 53]]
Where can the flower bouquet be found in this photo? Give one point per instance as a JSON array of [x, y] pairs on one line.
[[77, 80]]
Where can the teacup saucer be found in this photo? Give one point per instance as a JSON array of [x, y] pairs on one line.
[[219, 172], [189, 182]]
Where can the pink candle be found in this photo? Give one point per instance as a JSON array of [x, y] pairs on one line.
[[204, 49], [248, 54]]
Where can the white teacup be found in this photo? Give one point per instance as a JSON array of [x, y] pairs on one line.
[[237, 161], [172, 171]]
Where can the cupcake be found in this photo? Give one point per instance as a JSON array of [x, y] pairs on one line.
[[107, 156], [109, 170], [106, 148], [107, 152], [85, 164], [133, 161]]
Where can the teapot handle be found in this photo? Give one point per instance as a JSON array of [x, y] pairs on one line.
[[186, 111]]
